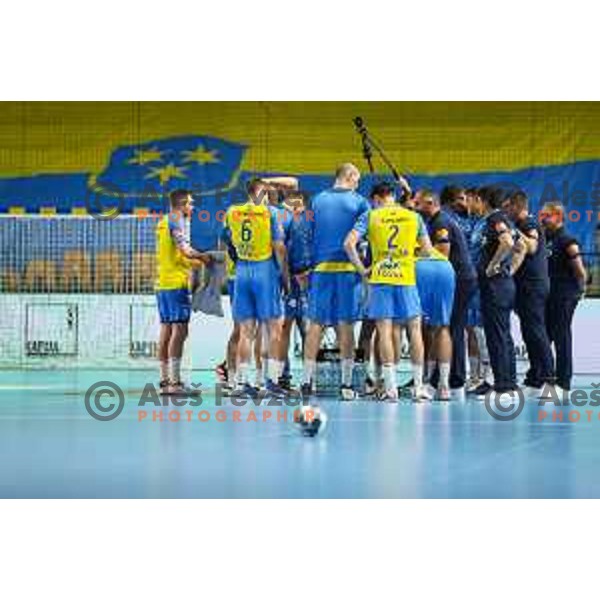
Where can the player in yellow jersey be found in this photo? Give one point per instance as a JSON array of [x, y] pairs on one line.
[[255, 233], [393, 233], [175, 258]]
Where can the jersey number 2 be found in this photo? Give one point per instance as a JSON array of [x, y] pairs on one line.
[[394, 229]]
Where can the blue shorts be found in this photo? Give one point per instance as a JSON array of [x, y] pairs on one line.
[[436, 282], [295, 305], [257, 291], [231, 289], [334, 298], [174, 306], [474, 311], [395, 302]]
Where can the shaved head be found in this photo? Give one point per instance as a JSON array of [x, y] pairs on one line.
[[347, 176]]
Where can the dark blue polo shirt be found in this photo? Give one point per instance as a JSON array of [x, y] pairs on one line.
[[560, 269], [534, 269], [485, 243], [443, 228]]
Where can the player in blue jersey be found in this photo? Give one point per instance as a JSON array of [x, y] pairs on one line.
[[276, 189], [298, 242], [479, 361], [335, 286]]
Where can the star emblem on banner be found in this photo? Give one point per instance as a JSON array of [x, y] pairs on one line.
[[200, 155], [145, 156], [166, 173]]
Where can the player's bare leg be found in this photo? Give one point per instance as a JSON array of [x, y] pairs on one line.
[[248, 332], [365, 344], [345, 334], [284, 345], [271, 353], [443, 354], [163, 355], [312, 342], [417, 358], [179, 333], [385, 335], [232, 349]]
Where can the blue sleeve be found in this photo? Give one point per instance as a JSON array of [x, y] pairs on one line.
[[365, 205], [362, 225], [277, 234]]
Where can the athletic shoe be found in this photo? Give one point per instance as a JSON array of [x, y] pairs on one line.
[[163, 387], [306, 391], [370, 387], [388, 396], [285, 383], [272, 389], [481, 391], [222, 372], [473, 384], [348, 393], [420, 393], [408, 385], [443, 394], [245, 391]]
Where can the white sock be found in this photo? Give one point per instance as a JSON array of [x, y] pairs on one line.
[[242, 373], [377, 371], [164, 370], [175, 368], [310, 370], [265, 368], [280, 367], [444, 375], [488, 374], [482, 344], [273, 370], [389, 377], [430, 368], [417, 369], [347, 371], [474, 367], [259, 379]]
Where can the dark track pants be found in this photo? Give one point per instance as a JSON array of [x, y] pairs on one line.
[[497, 301], [530, 306], [559, 319], [465, 288]]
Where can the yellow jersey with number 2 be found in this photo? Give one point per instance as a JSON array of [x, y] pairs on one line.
[[393, 232]]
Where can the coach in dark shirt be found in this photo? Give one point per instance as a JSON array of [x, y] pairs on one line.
[[498, 258], [567, 286], [532, 287], [447, 237]]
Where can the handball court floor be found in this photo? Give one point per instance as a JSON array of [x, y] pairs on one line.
[[51, 448]]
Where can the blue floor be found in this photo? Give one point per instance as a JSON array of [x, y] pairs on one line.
[[51, 448]]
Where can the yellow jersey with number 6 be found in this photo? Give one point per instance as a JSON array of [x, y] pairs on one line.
[[393, 233], [250, 227]]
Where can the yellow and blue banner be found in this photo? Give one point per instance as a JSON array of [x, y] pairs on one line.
[[66, 157]]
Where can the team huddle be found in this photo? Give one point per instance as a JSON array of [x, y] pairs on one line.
[[447, 269]]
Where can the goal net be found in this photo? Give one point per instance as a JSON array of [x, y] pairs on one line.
[[77, 291]]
